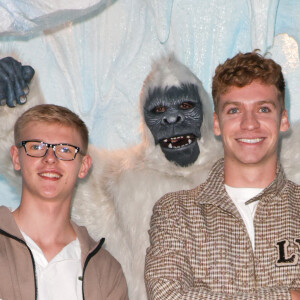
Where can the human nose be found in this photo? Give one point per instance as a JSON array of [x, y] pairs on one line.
[[50, 156], [249, 121]]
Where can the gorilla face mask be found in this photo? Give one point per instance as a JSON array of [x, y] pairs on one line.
[[174, 116]]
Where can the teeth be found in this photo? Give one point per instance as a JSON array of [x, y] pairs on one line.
[[251, 141], [51, 175], [176, 142], [170, 146], [175, 138]]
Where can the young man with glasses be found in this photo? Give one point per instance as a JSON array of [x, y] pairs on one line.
[[236, 236], [43, 254]]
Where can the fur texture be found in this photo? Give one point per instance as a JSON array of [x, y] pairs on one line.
[[290, 152]]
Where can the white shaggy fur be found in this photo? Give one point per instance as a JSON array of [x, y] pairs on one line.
[[117, 200], [290, 152]]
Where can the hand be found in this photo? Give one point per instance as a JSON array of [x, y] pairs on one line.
[[14, 80], [295, 295]]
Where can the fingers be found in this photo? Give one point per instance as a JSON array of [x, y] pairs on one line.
[[14, 71], [6, 88]]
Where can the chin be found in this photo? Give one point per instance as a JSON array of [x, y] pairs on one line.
[[183, 156]]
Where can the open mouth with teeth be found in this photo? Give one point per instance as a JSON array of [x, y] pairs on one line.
[[250, 141], [50, 175], [178, 141]]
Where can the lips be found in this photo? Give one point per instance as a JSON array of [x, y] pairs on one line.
[[177, 142], [250, 140]]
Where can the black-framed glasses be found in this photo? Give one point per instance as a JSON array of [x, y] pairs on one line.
[[39, 149]]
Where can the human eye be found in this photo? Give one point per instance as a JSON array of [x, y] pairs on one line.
[[65, 149], [264, 109], [65, 152], [186, 105], [35, 146], [233, 110]]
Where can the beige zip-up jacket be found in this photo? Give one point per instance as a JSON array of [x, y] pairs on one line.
[[200, 247], [103, 278]]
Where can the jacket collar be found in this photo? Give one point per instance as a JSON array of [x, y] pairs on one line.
[[8, 223], [87, 244], [214, 190]]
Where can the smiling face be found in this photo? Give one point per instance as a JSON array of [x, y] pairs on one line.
[[174, 117], [48, 177], [249, 120]]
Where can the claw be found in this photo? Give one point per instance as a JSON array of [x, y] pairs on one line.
[[22, 99], [26, 90]]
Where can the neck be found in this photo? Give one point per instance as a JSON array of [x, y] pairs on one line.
[[47, 223], [249, 175]]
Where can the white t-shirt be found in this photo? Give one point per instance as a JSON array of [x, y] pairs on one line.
[[58, 279], [240, 196]]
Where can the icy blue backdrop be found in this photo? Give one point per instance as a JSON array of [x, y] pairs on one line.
[[93, 55]]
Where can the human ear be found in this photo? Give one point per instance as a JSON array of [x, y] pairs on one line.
[[284, 122], [85, 166], [14, 154], [216, 125]]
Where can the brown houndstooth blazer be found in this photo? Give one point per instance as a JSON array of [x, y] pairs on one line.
[[200, 248]]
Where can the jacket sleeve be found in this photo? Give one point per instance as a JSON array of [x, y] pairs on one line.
[[112, 278], [104, 278], [168, 273], [119, 291]]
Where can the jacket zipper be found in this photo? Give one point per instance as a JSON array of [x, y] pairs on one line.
[[31, 255], [91, 254]]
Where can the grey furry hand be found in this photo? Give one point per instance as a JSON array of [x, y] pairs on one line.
[[14, 80]]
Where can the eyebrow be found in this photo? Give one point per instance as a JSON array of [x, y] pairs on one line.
[[230, 103], [267, 102]]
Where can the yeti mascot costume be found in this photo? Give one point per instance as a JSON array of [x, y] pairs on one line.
[[177, 151], [117, 200]]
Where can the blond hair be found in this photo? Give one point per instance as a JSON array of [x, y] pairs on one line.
[[50, 113]]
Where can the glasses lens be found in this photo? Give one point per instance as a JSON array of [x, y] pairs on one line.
[[36, 149], [65, 152]]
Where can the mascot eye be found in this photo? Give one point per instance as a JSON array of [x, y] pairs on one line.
[[186, 105], [159, 109]]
